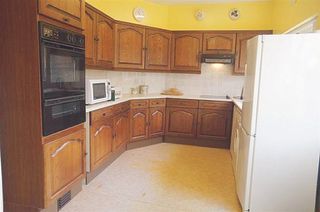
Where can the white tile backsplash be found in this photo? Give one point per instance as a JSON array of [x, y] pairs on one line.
[[215, 79]]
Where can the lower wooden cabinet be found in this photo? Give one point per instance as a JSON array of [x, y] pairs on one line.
[[121, 124], [214, 124], [181, 122], [139, 124], [64, 163], [156, 121], [101, 138]]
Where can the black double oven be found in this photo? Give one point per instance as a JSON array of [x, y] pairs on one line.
[[63, 78]]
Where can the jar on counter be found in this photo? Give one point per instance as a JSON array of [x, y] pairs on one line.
[[134, 91], [144, 89]]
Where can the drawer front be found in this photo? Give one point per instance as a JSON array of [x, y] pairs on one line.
[[184, 103], [139, 104], [157, 103], [216, 105], [116, 109], [101, 114], [125, 106]]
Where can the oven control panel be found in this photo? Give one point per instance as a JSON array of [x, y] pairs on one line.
[[60, 35]]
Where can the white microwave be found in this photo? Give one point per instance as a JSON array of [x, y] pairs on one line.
[[97, 90]]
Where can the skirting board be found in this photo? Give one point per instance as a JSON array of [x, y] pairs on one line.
[[198, 142]]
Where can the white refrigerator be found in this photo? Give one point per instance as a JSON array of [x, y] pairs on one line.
[[279, 142]]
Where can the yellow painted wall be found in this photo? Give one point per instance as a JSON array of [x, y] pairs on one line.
[[156, 14], [279, 15], [286, 14], [253, 15]]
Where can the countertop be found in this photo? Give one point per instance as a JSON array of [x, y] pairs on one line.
[[127, 97]]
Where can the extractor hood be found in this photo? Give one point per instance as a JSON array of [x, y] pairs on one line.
[[218, 58]]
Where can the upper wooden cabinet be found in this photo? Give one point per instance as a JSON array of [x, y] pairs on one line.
[[241, 49], [67, 11], [186, 52], [129, 46], [64, 163], [219, 43], [99, 40], [158, 47]]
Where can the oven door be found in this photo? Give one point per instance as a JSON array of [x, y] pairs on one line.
[[60, 114], [62, 70]]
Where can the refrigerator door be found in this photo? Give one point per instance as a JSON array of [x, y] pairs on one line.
[[251, 85], [244, 168]]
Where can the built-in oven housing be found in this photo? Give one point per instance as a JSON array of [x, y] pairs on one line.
[[62, 78]]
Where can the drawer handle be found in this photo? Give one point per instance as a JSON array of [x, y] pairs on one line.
[[64, 145], [99, 130], [65, 19], [104, 114]]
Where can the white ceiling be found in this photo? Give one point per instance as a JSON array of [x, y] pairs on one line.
[[201, 1]]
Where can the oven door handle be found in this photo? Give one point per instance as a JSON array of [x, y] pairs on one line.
[[63, 146]]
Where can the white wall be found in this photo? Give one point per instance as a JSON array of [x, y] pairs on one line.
[[215, 79]]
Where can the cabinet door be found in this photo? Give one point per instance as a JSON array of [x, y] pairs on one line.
[[100, 142], [67, 11], [214, 124], [156, 121], [129, 46], [64, 163], [181, 122], [105, 42], [139, 124], [121, 130], [186, 52], [90, 31], [241, 54], [158, 45], [219, 43]]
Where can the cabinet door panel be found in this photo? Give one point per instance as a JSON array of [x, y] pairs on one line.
[[70, 12], [186, 52], [157, 121], [104, 42], [100, 142], [90, 31], [129, 47], [139, 124], [214, 124], [182, 122], [158, 44], [121, 130], [219, 43], [64, 162], [241, 55]]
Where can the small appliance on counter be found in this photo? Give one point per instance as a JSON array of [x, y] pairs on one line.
[[117, 91], [97, 90]]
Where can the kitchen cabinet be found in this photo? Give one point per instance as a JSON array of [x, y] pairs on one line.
[[158, 47], [181, 122], [186, 52], [64, 163], [241, 49], [214, 120], [219, 43], [121, 125], [139, 124], [129, 46], [101, 139], [157, 121], [70, 12], [147, 119], [99, 40], [236, 127]]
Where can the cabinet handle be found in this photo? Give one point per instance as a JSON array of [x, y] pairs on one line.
[[65, 19], [96, 38], [64, 145], [99, 130]]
